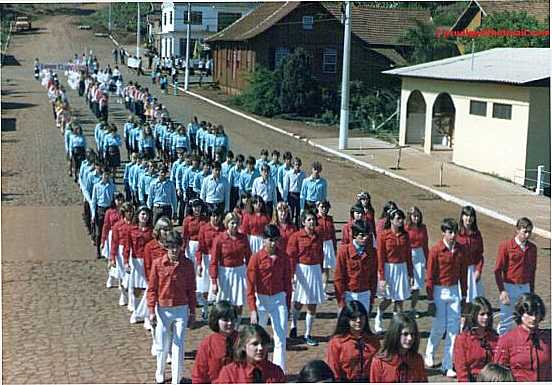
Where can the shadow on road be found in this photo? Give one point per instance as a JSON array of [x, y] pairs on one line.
[[8, 124], [10, 60], [15, 106], [6, 197]]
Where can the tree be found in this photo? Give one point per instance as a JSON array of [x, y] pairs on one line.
[[510, 21], [299, 90], [426, 46], [261, 94]]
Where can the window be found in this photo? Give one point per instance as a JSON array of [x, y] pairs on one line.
[[197, 18], [170, 17], [279, 54], [478, 108], [502, 111], [224, 19], [329, 60], [164, 19], [308, 22]]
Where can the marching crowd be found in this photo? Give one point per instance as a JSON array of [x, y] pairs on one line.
[[257, 232]]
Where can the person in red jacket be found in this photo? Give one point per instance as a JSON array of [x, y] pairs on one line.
[[475, 346], [365, 200], [417, 233], [269, 290], [355, 273], [112, 216], [398, 359], [326, 230], [230, 255], [171, 301], [356, 213], [516, 264], [207, 233], [216, 350], [446, 267], [395, 272], [282, 218], [470, 237], [250, 360], [380, 224], [305, 250], [353, 345], [118, 240], [253, 223], [133, 254], [527, 349]]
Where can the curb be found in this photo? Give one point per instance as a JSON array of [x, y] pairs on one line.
[[445, 196]]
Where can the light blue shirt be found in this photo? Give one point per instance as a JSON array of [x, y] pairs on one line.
[[189, 177], [198, 181], [91, 180], [293, 182], [247, 178], [199, 137], [102, 195], [221, 141], [76, 141], [126, 175], [313, 190], [144, 184], [83, 174], [216, 191], [145, 142], [163, 193], [274, 169], [127, 128], [234, 176], [179, 174], [176, 164], [66, 139], [111, 139], [282, 170], [179, 141], [259, 162], [225, 169], [264, 189]]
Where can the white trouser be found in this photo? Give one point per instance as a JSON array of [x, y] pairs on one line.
[[141, 311], [275, 306], [475, 288], [363, 297], [506, 311], [447, 301], [171, 321]]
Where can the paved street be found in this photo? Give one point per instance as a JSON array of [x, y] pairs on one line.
[[60, 323]]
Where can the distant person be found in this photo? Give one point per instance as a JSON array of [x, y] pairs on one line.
[[115, 54]]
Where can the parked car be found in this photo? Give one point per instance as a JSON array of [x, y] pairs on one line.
[[22, 23]]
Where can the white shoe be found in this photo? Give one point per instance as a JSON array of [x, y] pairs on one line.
[[428, 361], [159, 379], [147, 323], [169, 359], [378, 328], [133, 319], [122, 300], [451, 373], [109, 282]]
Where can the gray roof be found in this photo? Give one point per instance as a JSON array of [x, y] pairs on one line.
[[503, 65]]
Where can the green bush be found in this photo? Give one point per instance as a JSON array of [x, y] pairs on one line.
[[261, 95]]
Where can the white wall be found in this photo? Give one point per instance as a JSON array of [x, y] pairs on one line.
[[487, 144], [538, 140]]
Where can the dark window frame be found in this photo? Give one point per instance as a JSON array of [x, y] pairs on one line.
[[475, 104], [503, 112]]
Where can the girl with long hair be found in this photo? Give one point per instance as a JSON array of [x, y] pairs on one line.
[[254, 222], [470, 237], [326, 230], [417, 233]]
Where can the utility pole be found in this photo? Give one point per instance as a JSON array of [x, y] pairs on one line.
[[344, 116], [187, 73], [138, 34], [109, 22]]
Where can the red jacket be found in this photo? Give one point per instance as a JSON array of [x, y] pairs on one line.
[[418, 238], [111, 217], [137, 240], [347, 232], [253, 224], [369, 218], [211, 357], [528, 362], [228, 252], [242, 373], [408, 368], [152, 251], [172, 284], [446, 268], [267, 276], [207, 234], [305, 249], [119, 236], [513, 265], [326, 229], [355, 273], [344, 356], [190, 228], [286, 230], [393, 248], [473, 245], [472, 351]]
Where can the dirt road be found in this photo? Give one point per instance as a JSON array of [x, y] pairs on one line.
[[60, 323]]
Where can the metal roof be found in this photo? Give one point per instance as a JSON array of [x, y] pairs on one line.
[[503, 65]]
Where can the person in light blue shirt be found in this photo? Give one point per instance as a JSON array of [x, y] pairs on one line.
[[189, 178], [227, 165], [126, 176], [167, 142], [265, 187], [134, 137], [127, 128], [193, 126], [314, 188], [111, 144], [162, 195], [99, 133], [146, 144], [293, 182], [159, 133], [248, 175], [180, 140], [133, 176], [274, 165], [282, 170], [103, 195], [77, 149], [201, 131], [215, 191], [220, 141], [234, 179], [180, 171], [144, 182], [209, 139], [92, 177], [198, 180]]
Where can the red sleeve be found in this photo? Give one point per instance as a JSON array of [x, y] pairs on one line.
[[334, 239], [373, 273], [244, 228], [502, 353], [459, 357], [215, 256], [480, 250], [247, 250], [200, 370], [381, 252], [533, 266], [421, 374], [288, 278], [114, 244], [127, 246], [376, 370], [431, 271], [340, 274], [425, 241], [153, 287], [409, 265], [251, 274], [106, 226], [191, 287], [147, 260], [201, 248], [225, 376], [464, 271], [500, 267], [345, 234], [332, 358], [185, 233], [291, 250]]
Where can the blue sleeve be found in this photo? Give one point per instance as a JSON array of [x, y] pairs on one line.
[[303, 194]]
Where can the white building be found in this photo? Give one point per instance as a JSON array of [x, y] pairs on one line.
[[491, 108], [206, 20]]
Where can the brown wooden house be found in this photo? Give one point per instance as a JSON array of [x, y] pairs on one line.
[[273, 30]]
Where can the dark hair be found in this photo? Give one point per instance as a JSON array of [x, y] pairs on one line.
[[173, 239], [275, 152], [264, 151], [529, 303], [392, 214], [307, 212], [356, 208], [365, 195], [316, 371], [271, 231], [246, 195], [216, 165], [472, 311], [316, 165], [247, 332], [469, 211], [495, 373], [240, 158], [250, 160], [449, 224], [359, 227], [230, 154], [253, 201], [298, 161], [147, 210], [386, 207], [524, 223], [414, 210], [221, 310], [392, 341], [325, 203], [119, 196], [265, 167], [350, 311], [287, 155]]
